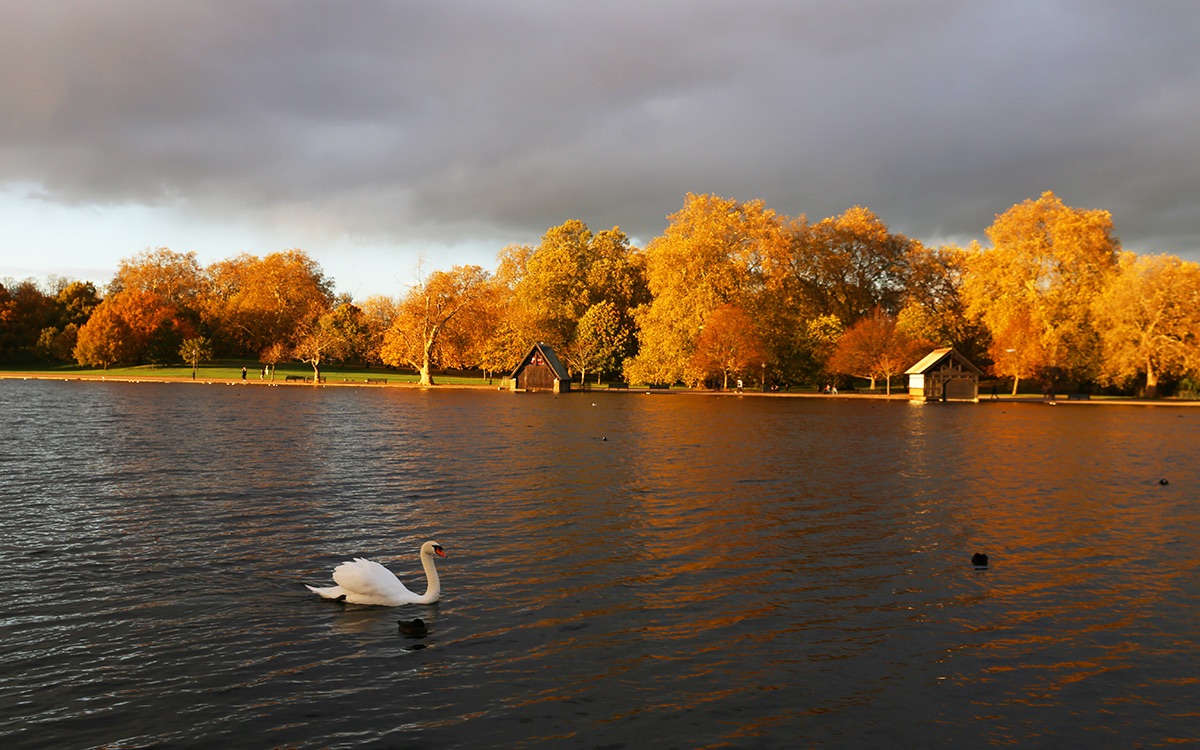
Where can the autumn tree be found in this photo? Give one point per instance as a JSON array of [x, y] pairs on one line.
[[133, 326], [351, 324], [555, 284], [254, 302], [1149, 320], [176, 278], [378, 313], [845, 265], [105, 340], [467, 343], [1034, 287], [25, 311], [873, 348], [425, 314], [322, 341], [272, 355], [1016, 347], [728, 345], [711, 254], [933, 307]]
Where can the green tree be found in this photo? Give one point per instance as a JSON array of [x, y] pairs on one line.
[[57, 345], [76, 301], [194, 351], [351, 324], [601, 338]]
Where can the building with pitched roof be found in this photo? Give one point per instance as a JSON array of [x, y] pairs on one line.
[[943, 375], [540, 370]]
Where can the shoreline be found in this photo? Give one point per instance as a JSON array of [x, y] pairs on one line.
[[902, 397]]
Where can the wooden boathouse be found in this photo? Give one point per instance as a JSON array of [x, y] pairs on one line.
[[540, 370], [943, 375]]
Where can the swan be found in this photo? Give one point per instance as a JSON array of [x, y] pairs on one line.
[[362, 581]]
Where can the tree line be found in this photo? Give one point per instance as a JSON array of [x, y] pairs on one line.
[[731, 289]]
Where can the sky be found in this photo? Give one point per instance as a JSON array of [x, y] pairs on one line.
[[388, 139]]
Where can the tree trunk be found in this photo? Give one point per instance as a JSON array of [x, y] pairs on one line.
[[1151, 380], [426, 368], [1016, 379]]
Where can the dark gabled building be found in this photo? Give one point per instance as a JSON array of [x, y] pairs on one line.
[[540, 370]]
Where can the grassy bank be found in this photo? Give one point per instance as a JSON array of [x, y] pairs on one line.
[[232, 370]]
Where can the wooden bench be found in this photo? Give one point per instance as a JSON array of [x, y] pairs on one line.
[[657, 387], [618, 386], [377, 381], [291, 378]]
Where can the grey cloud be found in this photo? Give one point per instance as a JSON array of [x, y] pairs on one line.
[[472, 120]]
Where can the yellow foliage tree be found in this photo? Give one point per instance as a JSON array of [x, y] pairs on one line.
[[711, 254], [431, 309], [1149, 319], [1033, 288]]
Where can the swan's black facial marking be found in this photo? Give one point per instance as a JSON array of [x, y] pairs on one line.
[[437, 550]]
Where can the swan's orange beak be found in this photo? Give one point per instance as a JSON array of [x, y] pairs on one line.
[[438, 551]]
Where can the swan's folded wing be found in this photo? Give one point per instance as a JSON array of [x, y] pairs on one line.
[[367, 578]]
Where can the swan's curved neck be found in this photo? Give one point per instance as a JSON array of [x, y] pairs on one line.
[[434, 588]]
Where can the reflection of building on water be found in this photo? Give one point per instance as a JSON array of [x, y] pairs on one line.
[[943, 375]]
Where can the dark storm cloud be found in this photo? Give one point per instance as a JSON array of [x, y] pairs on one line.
[[463, 121]]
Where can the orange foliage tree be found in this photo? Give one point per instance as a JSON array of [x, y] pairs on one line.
[[727, 346], [874, 348]]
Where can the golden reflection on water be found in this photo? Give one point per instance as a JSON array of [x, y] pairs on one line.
[[749, 571]]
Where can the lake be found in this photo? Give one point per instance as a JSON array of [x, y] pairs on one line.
[[625, 570]]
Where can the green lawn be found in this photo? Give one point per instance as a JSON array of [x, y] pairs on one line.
[[232, 370]]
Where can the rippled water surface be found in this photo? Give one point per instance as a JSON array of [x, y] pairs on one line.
[[625, 570]]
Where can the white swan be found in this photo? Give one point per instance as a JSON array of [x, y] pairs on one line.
[[365, 582]]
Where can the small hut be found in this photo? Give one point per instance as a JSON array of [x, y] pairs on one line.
[[943, 375], [540, 370]]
